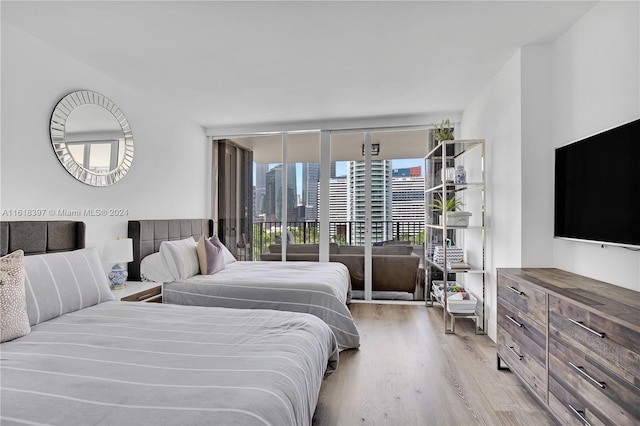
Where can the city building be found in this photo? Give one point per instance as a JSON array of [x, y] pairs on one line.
[[380, 213]]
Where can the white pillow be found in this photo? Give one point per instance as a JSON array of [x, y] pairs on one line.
[[153, 268], [181, 258], [228, 256]]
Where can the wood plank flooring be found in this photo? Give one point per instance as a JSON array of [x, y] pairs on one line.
[[408, 372]]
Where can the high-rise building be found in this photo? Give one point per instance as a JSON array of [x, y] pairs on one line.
[[261, 175], [408, 199], [273, 194], [269, 204], [381, 213], [310, 178], [337, 209], [260, 190], [337, 200]]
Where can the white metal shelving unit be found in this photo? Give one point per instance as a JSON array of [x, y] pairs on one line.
[[448, 154]]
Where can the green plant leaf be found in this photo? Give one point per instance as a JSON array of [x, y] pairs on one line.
[[452, 204], [443, 131]]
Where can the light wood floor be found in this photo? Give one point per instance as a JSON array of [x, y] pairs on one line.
[[408, 372]]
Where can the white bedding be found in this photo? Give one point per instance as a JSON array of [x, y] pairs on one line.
[[124, 363], [319, 288]]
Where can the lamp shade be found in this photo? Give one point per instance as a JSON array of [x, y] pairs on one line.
[[118, 251]]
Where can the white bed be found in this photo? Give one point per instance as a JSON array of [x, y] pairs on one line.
[[127, 363], [321, 289], [165, 251]]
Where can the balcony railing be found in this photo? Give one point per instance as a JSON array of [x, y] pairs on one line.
[[343, 233]]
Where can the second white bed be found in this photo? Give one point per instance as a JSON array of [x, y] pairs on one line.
[[322, 289]]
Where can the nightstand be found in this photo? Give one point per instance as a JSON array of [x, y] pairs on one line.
[[139, 291]]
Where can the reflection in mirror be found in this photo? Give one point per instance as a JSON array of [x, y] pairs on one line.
[[92, 138]]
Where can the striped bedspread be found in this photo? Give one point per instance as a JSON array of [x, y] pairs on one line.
[[321, 289], [123, 363]]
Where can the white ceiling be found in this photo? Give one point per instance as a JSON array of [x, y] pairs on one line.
[[235, 63]]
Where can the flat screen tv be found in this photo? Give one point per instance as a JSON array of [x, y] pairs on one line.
[[597, 187]]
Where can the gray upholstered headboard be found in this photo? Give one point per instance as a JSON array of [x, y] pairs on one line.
[[148, 234], [39, 237]]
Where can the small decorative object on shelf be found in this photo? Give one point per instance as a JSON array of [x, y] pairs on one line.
[[450, 174], [461, 174], [117, 252], [462, 303]]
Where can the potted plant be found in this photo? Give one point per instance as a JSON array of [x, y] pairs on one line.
[[455, 217], [443, 131]]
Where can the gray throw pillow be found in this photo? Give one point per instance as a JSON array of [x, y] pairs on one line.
[[59, 283], [210, 255]]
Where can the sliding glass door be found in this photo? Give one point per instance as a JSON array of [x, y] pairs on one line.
[[349, 193], [398, 212]]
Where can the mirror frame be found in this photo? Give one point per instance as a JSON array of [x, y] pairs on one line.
[[57, 132]]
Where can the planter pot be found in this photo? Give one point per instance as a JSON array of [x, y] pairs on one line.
[[458, 219]]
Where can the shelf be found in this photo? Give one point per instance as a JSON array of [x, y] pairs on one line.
[[458, 147], [473, 270], [438, 164], [454, 186], [433, 226], [457, 315]]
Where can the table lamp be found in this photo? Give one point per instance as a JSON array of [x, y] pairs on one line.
[[117, 252]]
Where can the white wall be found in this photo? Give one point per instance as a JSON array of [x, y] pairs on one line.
[[595, 86], [495, 116], [544, 97], [169, 177], [537, 157]]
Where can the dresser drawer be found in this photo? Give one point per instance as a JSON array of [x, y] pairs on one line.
[[594, 388], [525, 297], [523, 331], [568, 409], [610, 344], [524, 351]]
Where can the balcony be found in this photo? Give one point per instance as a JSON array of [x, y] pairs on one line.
[[341, 232]]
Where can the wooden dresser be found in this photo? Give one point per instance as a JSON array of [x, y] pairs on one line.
[[574, 341]]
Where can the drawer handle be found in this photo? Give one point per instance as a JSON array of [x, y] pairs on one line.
[[585, 374], [510, 318], [515, 290], [580, 414], [580, 324], [514, 352]]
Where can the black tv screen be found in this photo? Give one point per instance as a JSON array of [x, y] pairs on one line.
[[597, 183]]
